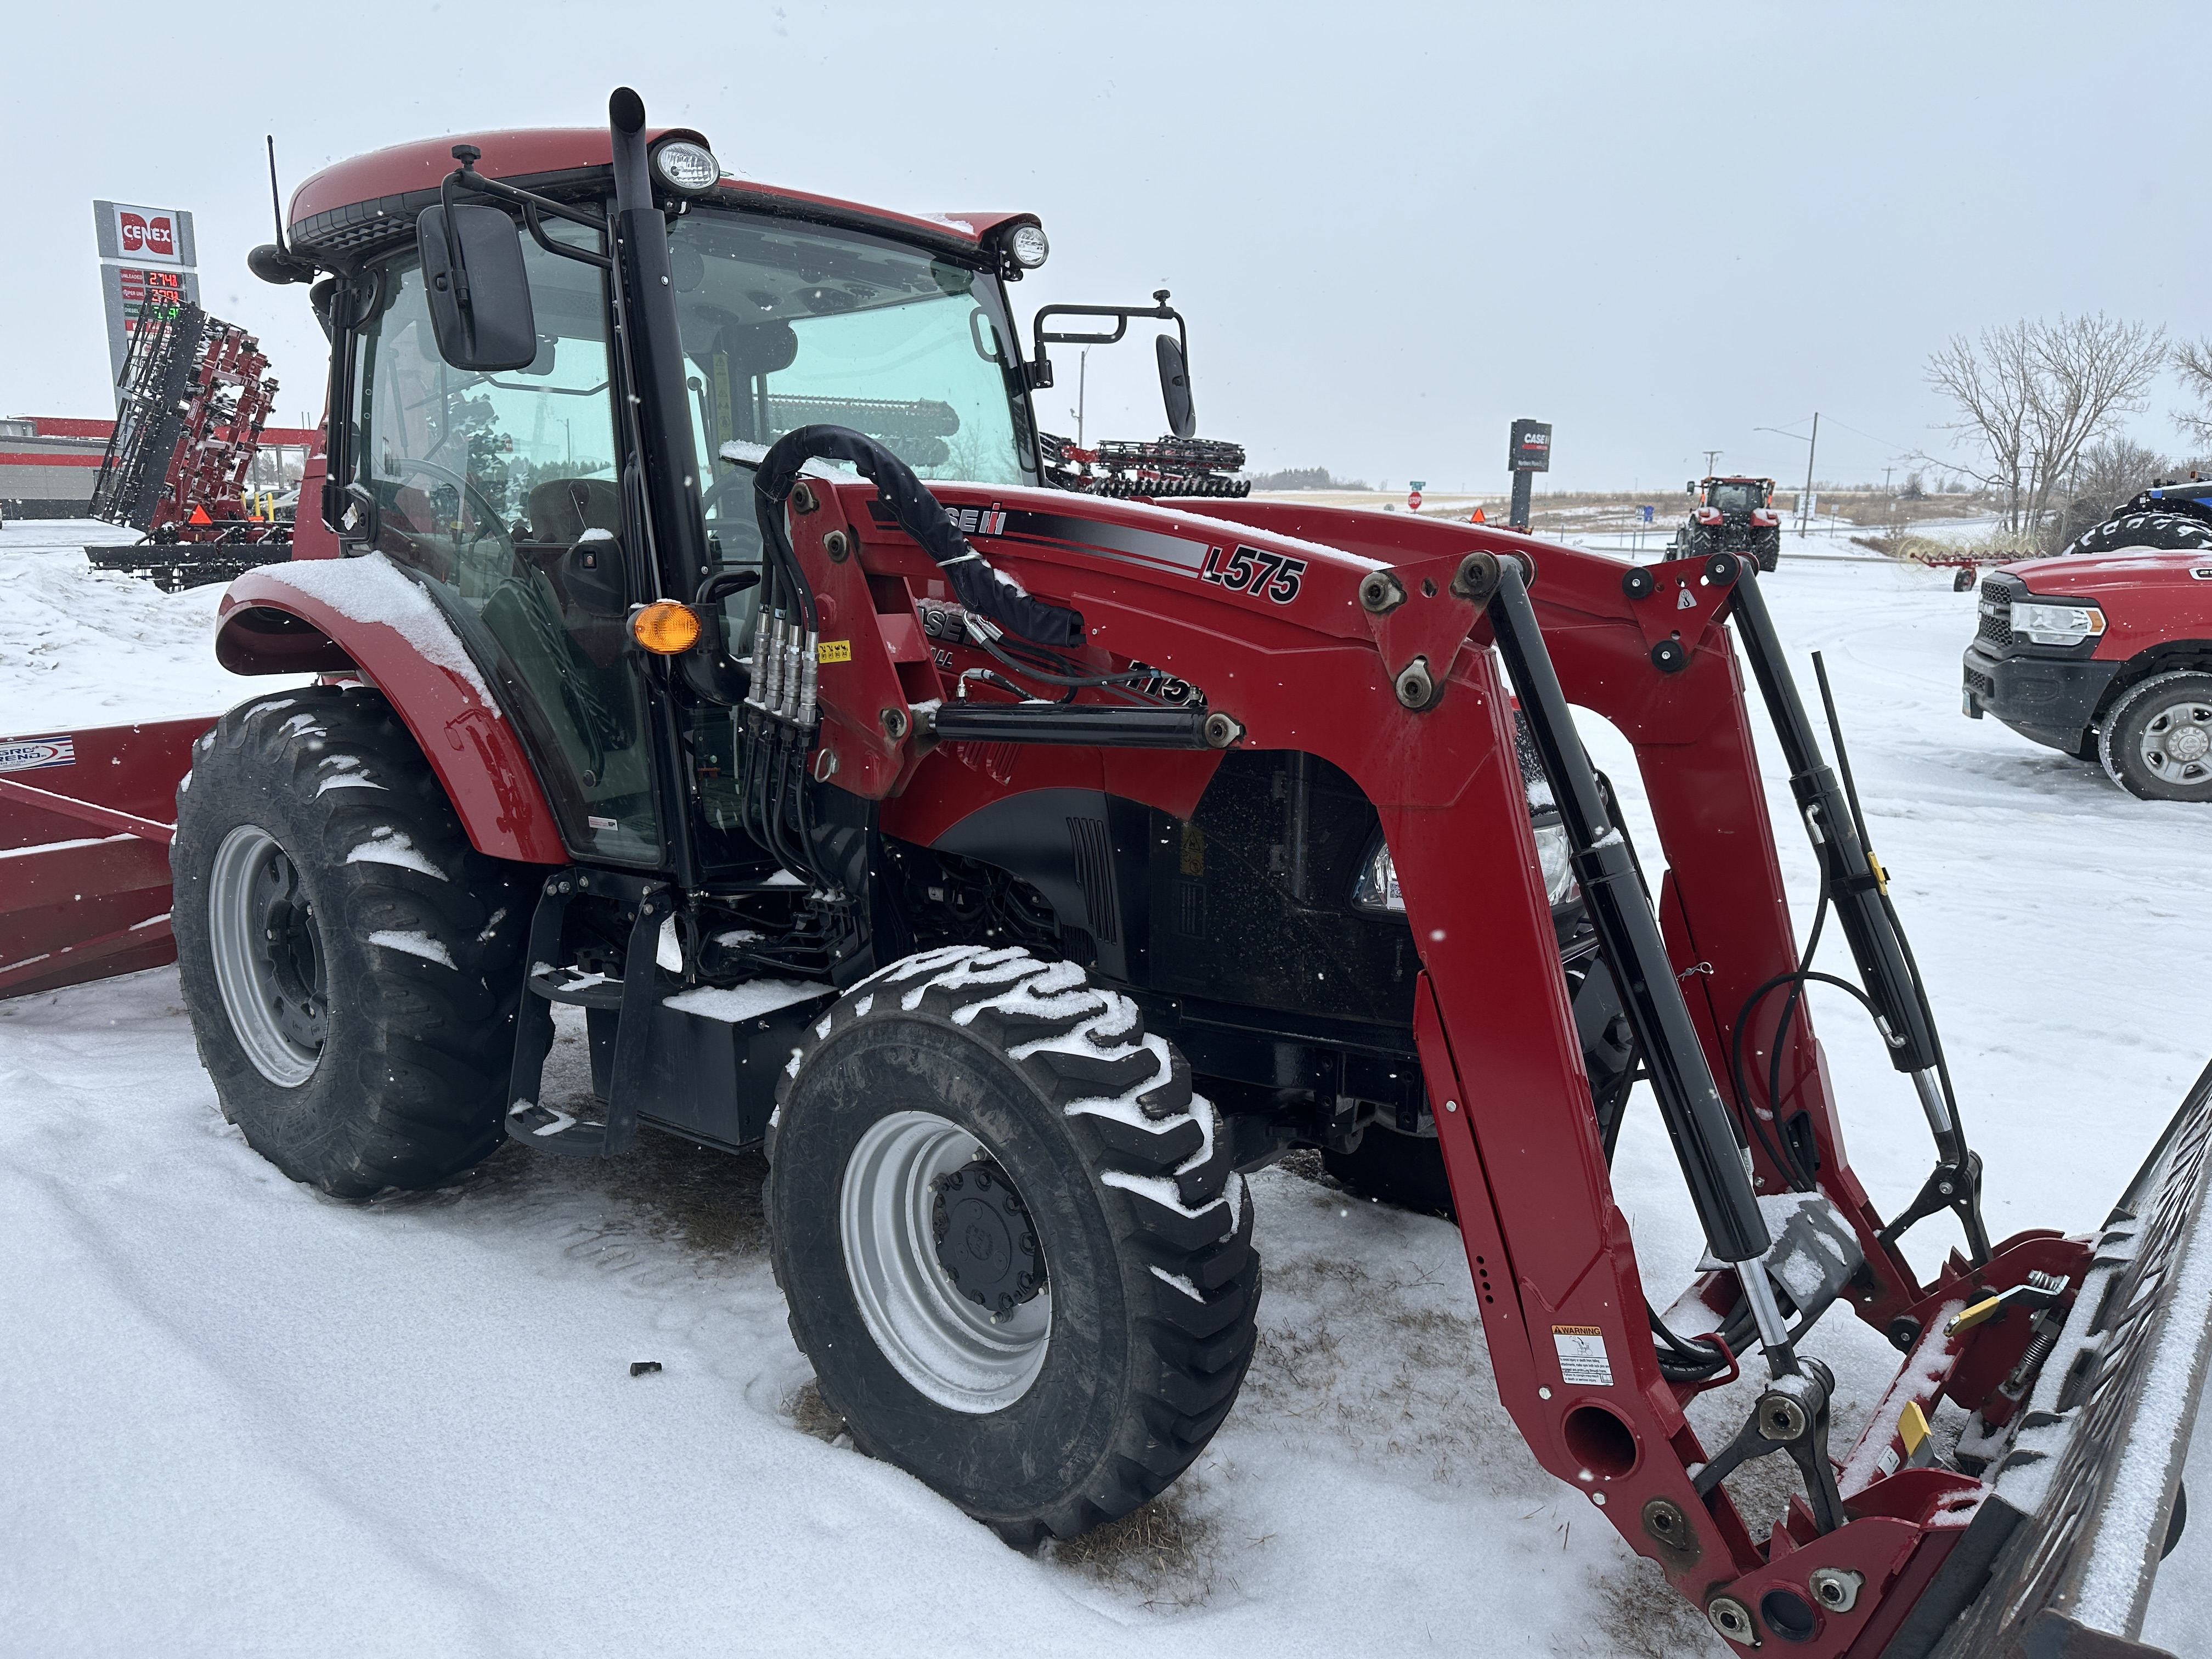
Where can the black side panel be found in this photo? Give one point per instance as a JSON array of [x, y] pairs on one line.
[[1250, 897], [1082, 850], [715, 1079]]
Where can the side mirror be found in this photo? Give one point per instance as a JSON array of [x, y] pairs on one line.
[[1175, 387], [479, 292], [591, 571]]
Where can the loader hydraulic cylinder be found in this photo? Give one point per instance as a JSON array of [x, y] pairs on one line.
[[1852, 883], [1697, 1120]]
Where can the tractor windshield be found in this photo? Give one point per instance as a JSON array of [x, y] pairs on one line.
[[1737, 497], [785, 326]]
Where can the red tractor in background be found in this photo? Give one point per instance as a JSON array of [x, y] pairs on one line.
[[701, 645], [1733, 515]]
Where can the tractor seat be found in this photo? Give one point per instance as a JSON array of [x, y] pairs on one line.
[[563, 509]]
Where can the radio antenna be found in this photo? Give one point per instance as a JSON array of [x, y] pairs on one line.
[[276, 203]]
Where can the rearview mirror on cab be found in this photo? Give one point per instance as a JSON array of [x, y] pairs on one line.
[[1175, 387], [478, 291]]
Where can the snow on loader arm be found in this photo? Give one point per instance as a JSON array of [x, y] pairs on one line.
[[86, 818]]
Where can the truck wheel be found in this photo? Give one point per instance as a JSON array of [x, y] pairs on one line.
[[2157, 741], [1010, 1237], [350, 964], [2169, 532]]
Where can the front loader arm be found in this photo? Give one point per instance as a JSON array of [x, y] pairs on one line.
[[1376, 657]]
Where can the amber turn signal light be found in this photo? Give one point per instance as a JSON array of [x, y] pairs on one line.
[[665, 628]]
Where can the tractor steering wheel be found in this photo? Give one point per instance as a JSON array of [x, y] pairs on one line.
[[468, 487]]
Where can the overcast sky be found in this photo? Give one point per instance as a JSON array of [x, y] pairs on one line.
[[1393, 228]]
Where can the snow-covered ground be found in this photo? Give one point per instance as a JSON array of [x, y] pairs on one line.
[[237, 1419]]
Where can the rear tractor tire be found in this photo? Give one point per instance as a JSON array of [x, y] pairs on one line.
[[351, 965], [1010, 1237], [2157, 742], [2165, 532]]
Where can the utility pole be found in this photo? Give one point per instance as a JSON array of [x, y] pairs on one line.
[[1805, 502], [1886, 472], [1082, 387], [1711, 456]]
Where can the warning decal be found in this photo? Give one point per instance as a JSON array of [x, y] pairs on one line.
[[1582, 1361], [833, 651]]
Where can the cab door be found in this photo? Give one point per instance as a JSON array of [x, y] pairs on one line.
[[488, 489]]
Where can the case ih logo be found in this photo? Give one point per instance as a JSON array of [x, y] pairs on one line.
[[147, 233]]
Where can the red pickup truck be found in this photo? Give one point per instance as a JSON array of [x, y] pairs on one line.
[[2108, 656]]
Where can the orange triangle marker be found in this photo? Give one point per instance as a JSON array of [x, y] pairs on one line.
[[199, 516]]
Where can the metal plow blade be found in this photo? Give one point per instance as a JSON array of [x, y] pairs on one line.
[[2058, 1563], [85, 823]]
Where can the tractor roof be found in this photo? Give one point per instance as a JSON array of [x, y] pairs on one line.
[[1736, 477], [360, 206]]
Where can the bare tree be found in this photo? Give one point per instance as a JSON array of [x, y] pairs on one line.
[[2109, 474], [2093, 370], [2192, 362], [1990, 380], [2031, 394]]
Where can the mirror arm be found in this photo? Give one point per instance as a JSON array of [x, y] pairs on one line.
[[529, 209], [466, 177]]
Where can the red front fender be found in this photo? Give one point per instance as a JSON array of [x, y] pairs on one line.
[[327, 615]]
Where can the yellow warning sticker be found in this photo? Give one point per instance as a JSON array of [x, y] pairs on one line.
[[833, 651], [1582, 1359]]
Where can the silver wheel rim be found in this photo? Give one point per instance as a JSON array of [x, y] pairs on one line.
[[943, 1344], [245, 974], [2175, 745]]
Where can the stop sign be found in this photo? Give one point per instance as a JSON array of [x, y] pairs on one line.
[[1414, 500]]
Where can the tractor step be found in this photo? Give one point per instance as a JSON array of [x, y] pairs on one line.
[[547, 1129], [701, 1060], [576, 989]]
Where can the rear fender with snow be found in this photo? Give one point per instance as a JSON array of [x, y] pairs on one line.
[[361, 616]]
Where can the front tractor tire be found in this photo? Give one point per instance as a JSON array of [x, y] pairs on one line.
[[1010, 1237], [350, 964]]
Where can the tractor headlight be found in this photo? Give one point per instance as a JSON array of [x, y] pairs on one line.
[[1028, 246], [1377, 886], [687, 168], [1553, 855], [2045, 623]]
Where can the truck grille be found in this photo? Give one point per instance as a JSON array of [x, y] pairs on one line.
[[1995, 607], [1981, 684]]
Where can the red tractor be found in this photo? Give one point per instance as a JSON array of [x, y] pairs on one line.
[[699, 646], [1733, 515]]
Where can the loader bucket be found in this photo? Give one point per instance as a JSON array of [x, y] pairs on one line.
[[86, 817], [2058, 1560]]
